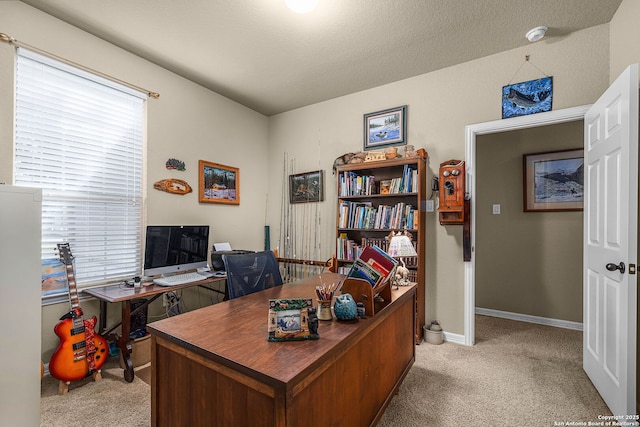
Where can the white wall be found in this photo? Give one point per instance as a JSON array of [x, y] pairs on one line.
[[440, 104], [187, 122]]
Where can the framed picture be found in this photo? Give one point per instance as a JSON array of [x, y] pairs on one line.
[[306, 187], [218, 183], [292, 320], [521, 99], [385, 128], [554, 181]]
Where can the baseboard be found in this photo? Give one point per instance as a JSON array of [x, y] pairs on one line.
[[558, 323], [454, 338]]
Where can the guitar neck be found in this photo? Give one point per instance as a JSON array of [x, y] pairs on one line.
[[73, 289], [76, 318]]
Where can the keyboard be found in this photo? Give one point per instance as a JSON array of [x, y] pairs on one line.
[[180, 279]]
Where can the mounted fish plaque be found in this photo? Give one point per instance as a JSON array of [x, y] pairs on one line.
[[521, 99]]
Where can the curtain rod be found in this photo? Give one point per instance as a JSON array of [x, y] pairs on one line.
[[8, 39]]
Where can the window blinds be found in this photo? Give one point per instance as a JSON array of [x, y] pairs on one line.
[[79, 137]]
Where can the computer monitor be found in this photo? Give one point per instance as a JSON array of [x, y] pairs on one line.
[[173, 248]]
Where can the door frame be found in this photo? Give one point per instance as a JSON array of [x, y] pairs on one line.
[[471, 132]]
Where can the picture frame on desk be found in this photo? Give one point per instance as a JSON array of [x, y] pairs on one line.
[[291, 320], [218, 183]]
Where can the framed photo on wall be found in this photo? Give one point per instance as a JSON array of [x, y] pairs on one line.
[[218, 183], [306, 187], [554, 181], [385, 128], [533, 96]]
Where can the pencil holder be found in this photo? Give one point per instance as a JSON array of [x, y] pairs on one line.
[[324, 310]]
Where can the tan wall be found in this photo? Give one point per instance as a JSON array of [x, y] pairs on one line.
[[440, 105], [526, 262], [624, 36], [187, 122]]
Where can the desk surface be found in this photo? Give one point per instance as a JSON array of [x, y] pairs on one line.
[[234, 333], [118, 293], [211, 364]]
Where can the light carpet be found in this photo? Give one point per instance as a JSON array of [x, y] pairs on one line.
[[517, 374], [109, 402]]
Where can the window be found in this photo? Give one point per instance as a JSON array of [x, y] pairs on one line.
[[79, 137]]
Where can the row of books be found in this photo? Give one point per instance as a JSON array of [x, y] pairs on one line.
[[383, 243], [349, 249], [365, 216], [352, 184]]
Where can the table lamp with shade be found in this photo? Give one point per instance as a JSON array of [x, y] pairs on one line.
[[400, 246]]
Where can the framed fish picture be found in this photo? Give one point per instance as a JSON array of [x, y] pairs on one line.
[[521, 99]]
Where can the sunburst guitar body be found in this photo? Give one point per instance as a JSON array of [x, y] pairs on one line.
[[69, 361], [81, 351]]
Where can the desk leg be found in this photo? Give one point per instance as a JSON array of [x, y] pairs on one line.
[[124, 341], [103, 317]]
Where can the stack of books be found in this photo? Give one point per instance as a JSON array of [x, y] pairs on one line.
[[373, 265]]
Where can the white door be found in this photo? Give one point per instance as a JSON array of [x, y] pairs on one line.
[[610, 242]]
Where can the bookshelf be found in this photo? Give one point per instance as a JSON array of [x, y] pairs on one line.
[[375, 198]]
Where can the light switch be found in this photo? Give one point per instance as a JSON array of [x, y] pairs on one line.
[[496, 209], [431, 206]]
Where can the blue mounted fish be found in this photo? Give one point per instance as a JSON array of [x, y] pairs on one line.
[[533, 96]]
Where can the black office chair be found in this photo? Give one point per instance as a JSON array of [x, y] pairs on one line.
[[252, 272]]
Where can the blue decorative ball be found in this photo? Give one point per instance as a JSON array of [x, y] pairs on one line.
[[345, 307]]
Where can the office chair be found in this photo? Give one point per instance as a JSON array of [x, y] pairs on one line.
[[252, 272]]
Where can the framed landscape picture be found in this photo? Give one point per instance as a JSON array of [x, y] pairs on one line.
[[385, 128], [218, 183], [306, 187], [554, 181]]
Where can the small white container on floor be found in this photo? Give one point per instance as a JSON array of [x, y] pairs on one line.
[[433, 337]]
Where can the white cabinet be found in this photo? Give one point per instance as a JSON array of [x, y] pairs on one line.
[[20, 306]]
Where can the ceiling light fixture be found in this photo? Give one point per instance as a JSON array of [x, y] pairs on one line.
[[536, 34], [302, 6]]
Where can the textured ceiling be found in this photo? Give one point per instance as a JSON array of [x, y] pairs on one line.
[[264, 56]]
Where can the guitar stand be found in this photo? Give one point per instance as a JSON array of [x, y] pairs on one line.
[[63, 386]]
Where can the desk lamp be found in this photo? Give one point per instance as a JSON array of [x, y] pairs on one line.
[[400, 246]]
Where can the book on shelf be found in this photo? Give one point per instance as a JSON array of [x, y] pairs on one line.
[[352, 184], [362, 215], [383, 244]]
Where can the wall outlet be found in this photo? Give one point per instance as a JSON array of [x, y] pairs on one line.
[[496, 209], [164, 300]]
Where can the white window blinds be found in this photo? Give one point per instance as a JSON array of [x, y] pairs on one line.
[[79, 137]]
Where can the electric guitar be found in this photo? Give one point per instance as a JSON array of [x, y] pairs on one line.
[[81, 351]]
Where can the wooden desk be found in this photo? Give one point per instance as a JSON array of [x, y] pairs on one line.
[[215, 367], [124, 295]]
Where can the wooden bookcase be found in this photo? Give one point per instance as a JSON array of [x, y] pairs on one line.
[[355, 227]]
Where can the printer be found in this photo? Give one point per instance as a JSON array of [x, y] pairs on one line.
[[216, 257]]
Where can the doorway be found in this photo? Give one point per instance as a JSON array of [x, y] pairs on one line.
[[528, 264], [472, 133]]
